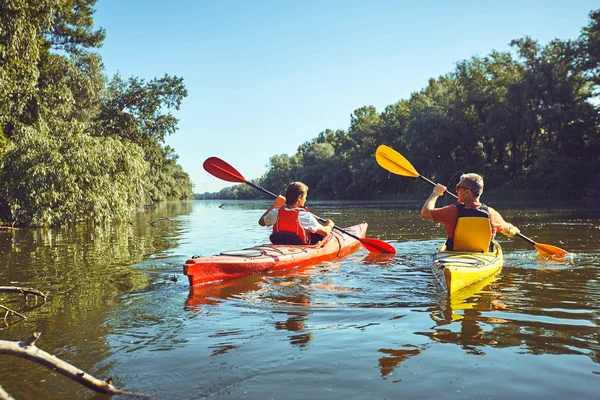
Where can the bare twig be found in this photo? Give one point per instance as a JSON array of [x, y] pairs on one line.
[[28, 350], [11, 312], [20, 290]]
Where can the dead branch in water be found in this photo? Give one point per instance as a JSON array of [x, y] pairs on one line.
[[10, 312], [28, 350], [25, 291]]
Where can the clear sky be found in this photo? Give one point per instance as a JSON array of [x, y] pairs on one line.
[[264, 76]]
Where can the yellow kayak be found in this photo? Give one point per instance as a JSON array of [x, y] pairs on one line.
[[455, 270]]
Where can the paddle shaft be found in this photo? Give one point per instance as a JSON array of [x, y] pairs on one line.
[[395, 162], [321, 220], [222, 170], [525, 238]]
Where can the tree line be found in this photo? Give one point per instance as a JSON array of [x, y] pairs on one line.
[[76, 145], [526, 119]]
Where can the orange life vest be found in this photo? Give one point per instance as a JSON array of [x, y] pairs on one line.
[[289, 221]]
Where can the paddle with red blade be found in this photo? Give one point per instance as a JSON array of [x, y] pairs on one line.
[[222, 170], [395, 162]]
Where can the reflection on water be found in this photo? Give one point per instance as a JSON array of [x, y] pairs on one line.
[[468, 308], [393, 357], [85, 270], [368, 326], [288, 287]]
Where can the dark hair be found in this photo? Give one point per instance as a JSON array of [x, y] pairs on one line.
[[294, 191]]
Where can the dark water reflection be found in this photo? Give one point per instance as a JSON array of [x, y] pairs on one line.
[[369, 326]]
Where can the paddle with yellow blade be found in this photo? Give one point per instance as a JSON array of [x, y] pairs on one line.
[[220, 169], [395, 162]]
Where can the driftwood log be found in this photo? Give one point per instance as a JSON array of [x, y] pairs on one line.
[[28, 350], [4, 395]]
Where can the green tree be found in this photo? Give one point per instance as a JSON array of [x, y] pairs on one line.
[[29, 29], [71, 147], [137, 111], [567, 125], [281, 170], [68, 176], [528, 115], [589, 50]]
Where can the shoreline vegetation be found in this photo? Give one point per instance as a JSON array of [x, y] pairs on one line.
[[76, 145], [413, 201], [527, 120]]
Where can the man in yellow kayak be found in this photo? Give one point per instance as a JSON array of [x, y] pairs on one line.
[[291, 221], [470, 225]]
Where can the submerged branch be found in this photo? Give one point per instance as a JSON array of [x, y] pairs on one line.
[[160, 219], [10, 312], [25, 291]]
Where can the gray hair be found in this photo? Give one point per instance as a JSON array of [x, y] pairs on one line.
[[474, 182]]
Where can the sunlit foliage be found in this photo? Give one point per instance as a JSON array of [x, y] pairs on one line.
[[75, 145]]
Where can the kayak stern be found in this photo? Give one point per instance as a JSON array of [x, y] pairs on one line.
[[268, 257], [456, 270]]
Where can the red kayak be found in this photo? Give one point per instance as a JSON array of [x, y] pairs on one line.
[[270, 257]]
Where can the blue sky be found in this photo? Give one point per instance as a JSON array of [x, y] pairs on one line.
[[265, 76]]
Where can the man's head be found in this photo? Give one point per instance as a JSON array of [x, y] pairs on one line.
[[471, 182], [295, 191]]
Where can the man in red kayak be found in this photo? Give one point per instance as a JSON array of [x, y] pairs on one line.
[[470, 225], [291, 221]]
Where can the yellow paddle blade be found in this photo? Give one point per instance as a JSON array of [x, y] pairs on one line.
[[551, 250], [394, 162]]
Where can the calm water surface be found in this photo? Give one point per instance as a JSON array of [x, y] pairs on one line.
[[364, 327]]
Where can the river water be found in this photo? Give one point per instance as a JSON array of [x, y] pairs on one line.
[[364, 327]]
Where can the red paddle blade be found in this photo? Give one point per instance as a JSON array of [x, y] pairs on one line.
[[377, 246], [220, 169]]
